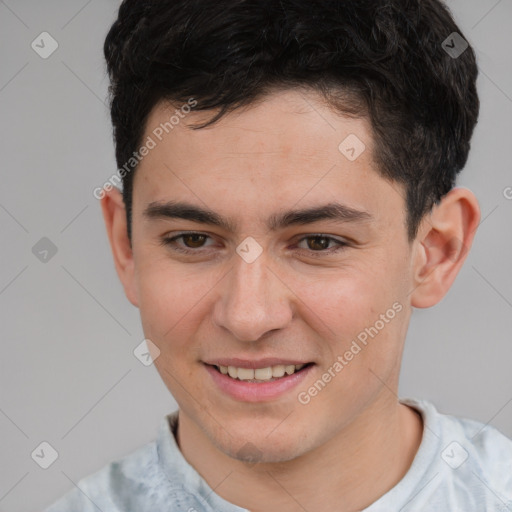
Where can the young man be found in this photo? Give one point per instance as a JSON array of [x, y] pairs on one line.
[[288, 198]]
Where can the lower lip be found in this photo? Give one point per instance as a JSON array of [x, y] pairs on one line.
[[254, 391]]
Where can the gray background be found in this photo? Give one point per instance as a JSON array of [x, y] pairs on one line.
[[68, 375]]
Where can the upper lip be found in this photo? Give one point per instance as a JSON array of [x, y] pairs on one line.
[[254, 363]]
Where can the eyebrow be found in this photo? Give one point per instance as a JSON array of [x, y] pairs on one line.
[[191, 212]]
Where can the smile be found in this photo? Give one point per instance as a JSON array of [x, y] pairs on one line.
[[269, 373], [257, 384]]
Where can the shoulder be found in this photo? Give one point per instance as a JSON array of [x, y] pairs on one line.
[[474, 460], [479, 449], [117, 485]]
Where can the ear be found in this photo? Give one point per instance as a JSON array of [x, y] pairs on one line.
[[443, 242], [114, 214]]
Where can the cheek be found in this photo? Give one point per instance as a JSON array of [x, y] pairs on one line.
[[360, 310], [169, 300], [347, 299], [170, 311], [362, 349]]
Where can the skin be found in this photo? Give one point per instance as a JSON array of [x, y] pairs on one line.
[[353, 440]]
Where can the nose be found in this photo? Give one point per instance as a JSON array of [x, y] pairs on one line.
[[253, 300]]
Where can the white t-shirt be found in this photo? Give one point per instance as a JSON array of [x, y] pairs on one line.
[[461, 465]]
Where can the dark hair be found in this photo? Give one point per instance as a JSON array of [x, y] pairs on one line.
[[383, 59]]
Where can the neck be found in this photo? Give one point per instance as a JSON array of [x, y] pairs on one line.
[[352, 469]]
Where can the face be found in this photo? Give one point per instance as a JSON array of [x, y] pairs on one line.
[[257, 280]]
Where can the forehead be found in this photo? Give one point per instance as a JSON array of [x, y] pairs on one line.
[[287, 123], [288, 147]]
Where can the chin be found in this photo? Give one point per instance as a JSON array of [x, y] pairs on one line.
[[251, 454], [263, 446]]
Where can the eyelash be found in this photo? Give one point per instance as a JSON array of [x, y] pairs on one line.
[[171, 242]]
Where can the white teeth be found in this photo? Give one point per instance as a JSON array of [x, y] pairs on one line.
[[270, 372], [289, 369], [261, 373], [278, 370], [245, 373]]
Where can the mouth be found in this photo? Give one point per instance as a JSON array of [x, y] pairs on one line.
[[261, 375], [258, 384], [258, 379]]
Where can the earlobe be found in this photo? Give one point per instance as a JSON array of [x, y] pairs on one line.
[[444, 239], [114, 215]]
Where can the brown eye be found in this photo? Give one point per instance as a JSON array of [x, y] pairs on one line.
[[194, 240], [318, 243], [187, 243]]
